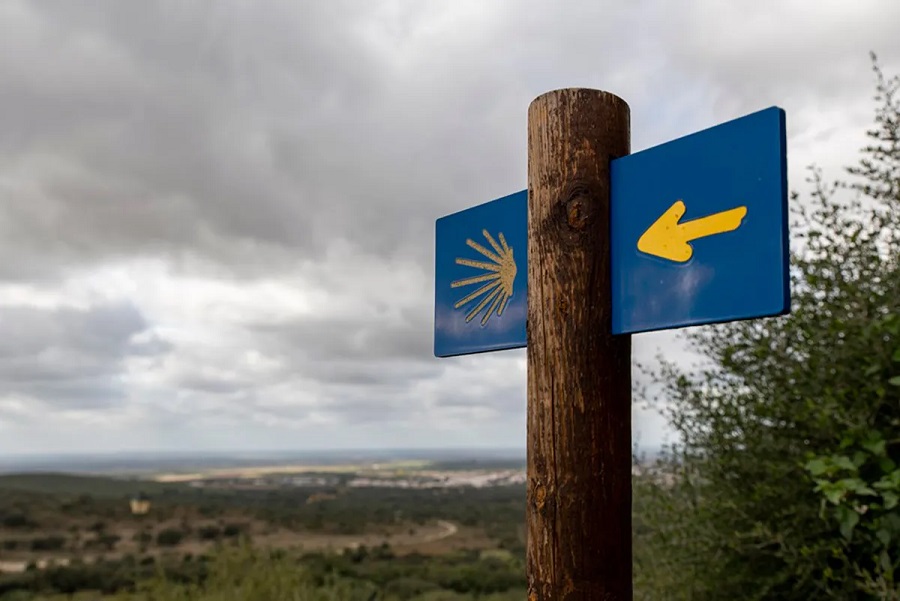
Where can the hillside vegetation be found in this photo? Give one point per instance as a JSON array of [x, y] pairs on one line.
[[69, 484]]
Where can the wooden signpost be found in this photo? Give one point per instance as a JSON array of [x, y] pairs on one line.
[[604, 244], [579, 374]]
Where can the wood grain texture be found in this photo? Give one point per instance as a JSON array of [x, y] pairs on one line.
[[579, 375]]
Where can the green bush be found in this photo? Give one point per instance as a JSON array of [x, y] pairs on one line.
[[48, 543], [142, 537], [108, 541], [209, 532], [785, 483], [407, 588], [232, 530], [169, 537], [18, 521], [243, 573]]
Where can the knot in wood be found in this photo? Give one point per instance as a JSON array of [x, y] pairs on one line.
[[579, 208], [577, 216]]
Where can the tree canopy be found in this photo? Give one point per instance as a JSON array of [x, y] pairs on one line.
[[785, 482]]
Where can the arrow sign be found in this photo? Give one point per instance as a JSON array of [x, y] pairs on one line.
[[668, 239], [729, 259]]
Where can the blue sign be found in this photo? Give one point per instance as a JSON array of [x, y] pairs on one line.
[[699, 235], [481, 271], [700, 228]]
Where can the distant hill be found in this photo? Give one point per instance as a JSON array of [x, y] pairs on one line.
[[69, 484]]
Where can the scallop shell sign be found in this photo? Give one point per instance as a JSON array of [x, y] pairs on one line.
[[480, 273]]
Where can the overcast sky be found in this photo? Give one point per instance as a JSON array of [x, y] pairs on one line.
[[217, 218]]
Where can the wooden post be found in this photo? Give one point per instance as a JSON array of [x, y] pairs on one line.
[[579, 375]]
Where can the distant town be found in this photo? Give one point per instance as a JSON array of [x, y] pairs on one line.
[[419, 479]]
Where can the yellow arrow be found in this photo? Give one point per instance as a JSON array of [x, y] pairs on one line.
[[668, 239]]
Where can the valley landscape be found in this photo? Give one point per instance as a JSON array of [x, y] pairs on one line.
[[389, 523]]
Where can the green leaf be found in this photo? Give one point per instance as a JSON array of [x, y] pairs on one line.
[[890, 499], [886, 564], [833, 494], [890, 481], [817, 467], [845, 462], [875, 445], [887, 464], [895, 381], [856, 485], [892, 324], [896, 356], [884, 536], [849, 520]]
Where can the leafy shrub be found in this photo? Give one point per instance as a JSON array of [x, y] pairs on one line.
[[108, 541], [18, 521], [169, 537], [785, 481], [209, 532], [48, 543], [406, 588], [98, 527], [232, 530], [142, 537]]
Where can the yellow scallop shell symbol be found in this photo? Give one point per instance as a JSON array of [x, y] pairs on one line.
[[499, 273]]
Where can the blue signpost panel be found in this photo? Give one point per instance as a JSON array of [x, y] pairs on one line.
[[699, 235], [699, 228], [481, 271]]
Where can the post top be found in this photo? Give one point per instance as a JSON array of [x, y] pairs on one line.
[[594, 94]]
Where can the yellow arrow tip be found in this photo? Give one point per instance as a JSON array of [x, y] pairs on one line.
[[663, 239]]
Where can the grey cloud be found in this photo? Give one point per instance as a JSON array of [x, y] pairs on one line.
[[806, 59], [376, 374], [506, 398], [164, 128], [332, 358], [299, 400], [355, 338], [214, 385], [370, 409], [70, 358], [153, 127], [254, 137], [238, 140]]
